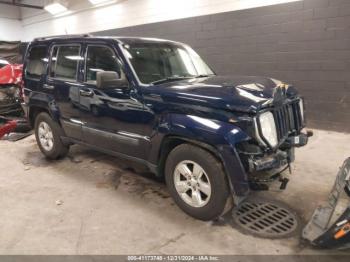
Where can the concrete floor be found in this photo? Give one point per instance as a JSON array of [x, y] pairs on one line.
[[90, 203]]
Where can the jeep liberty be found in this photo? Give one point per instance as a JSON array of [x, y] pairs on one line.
[[214, 138]]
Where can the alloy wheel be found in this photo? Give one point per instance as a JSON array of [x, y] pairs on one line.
[[45, 136], [192, 183]]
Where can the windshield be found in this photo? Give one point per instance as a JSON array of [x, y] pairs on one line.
[[157, 62]]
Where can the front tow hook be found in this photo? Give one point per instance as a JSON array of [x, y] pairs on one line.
[[309, 133], [284, 181]]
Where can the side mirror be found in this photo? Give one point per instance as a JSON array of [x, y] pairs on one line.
[[110, 80]]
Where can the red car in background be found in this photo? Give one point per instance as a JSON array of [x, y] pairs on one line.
[[10, 73], [10, 89], [6, 126]]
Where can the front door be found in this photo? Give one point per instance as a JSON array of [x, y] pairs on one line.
[[112, 119]]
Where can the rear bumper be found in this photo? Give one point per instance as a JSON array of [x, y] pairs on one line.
[[324, 229]]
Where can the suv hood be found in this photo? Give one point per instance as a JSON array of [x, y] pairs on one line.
[[240, 93]]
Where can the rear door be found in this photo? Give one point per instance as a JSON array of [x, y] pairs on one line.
[[63, 82]]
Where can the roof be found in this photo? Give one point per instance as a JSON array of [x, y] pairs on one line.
[[121, 39], [131, 40]]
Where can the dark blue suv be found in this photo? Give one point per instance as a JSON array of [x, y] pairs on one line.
[[155, 101]]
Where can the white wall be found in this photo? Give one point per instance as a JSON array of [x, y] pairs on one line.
[[10, 25], [10, 29], [84, 18]]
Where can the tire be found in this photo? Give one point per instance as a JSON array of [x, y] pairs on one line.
[[212, 204], [58, 149]]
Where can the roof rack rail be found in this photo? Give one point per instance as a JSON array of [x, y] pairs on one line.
[[61, 36]]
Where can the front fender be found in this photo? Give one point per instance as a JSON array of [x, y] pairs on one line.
[[220, 136]]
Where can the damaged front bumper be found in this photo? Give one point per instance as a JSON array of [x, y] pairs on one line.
[[329, 227], [264, 169], [10, 104], [281, 157]]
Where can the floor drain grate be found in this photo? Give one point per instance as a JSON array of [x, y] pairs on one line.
[[266, 219]]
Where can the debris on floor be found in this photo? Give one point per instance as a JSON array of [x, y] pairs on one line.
[[329, 227], [13, 137], [14, 129]]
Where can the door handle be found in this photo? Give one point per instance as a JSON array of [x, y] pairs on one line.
[[87, 93], [50, 87]]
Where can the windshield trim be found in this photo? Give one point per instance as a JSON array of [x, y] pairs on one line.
[[121, 47]]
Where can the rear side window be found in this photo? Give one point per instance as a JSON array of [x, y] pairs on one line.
[[36, 60], [64, 62], [99, 59]]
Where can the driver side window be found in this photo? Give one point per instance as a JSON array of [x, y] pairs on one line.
[[99, 59]]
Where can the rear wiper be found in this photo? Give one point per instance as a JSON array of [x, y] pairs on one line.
[[170, 78]]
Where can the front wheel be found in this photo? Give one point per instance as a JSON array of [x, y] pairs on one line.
[[48, 136], [196, 181]]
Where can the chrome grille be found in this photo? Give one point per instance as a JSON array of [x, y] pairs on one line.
[[288, 119]]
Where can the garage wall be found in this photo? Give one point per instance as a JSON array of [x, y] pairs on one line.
[[10, 29], [305, 43], [83, 17], [10, 25]]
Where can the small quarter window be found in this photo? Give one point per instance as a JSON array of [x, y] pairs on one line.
[[100, 58], [64, 62], [36, 60]]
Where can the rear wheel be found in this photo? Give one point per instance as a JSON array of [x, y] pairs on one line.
[[196, 181], [48, 136]]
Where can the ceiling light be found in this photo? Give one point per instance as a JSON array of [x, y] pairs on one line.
[[55, 8]]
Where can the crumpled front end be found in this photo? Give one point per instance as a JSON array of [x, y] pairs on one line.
[[329, 226], [10, 103], [265, 156], [10, 91], [10, 74]]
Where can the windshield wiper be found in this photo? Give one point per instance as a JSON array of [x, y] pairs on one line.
[[203, 75], [170, 78]]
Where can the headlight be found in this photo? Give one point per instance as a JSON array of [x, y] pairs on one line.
[[301, 106], [268, 128]]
